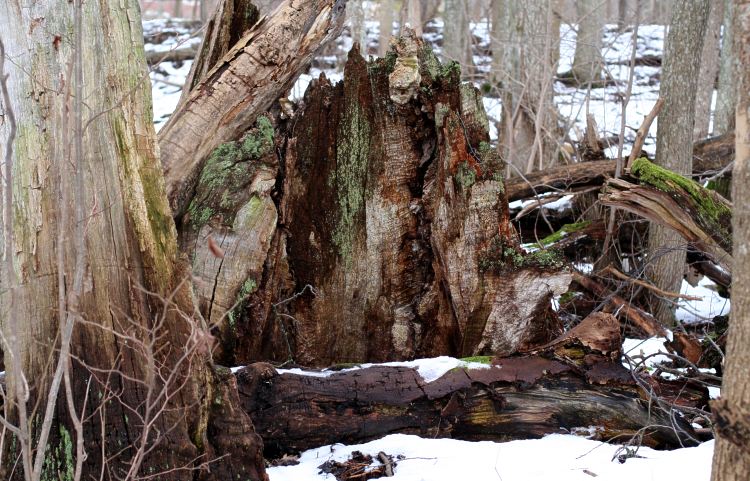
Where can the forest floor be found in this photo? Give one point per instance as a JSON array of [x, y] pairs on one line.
[[559, 456]]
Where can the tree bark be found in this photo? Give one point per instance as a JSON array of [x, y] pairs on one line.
[[243, 84], [731, 455], [457, 36], [396, 240], [708, 71], [139, 373], [588, 61], [726, 95], [385, 18], [674, 132], [577, 381]]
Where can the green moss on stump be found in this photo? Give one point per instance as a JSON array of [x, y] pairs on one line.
[[501, 257]]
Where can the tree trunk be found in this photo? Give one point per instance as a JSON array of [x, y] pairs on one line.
[[385, 18], [680, 72], [731, 455], [457, 36], [243, 84], [726, 96], [356, 13], [708, 70], [588, 61], [396, 240], [95, 267], [411, 15], [529, 120]]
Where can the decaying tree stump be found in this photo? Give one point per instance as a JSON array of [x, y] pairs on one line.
[[578, 385], [394, 207], [372, 225]]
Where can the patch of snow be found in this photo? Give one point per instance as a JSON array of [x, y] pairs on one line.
[[429, 369], [555, 457], [710, 305], [646, 347]]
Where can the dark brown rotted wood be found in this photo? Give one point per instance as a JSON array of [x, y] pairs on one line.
[[517, 398]]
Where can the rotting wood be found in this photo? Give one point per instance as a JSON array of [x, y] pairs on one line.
[[515, 398], [258, 69], [639, 318]]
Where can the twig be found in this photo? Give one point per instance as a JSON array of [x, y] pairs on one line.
[[640, 135], [627, 278]]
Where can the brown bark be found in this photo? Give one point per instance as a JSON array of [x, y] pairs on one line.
[[515, 398], [140, 373], [394, 213], [243, 84], [731, 455]]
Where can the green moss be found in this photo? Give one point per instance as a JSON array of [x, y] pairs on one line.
[[565, 230], [450, 71], [500, 257], [350, 176], [224, 177], [465, 175], [479, 359], [569, 296], [714, 214], [247, 288], [58, 460]]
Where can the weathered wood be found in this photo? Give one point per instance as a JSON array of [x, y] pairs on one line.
[[259, 68], [708, 155], [699, 215], [516, 398], [179, 54], [394, 214]]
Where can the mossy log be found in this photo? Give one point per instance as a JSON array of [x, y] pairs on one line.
[[700, 216], [515, 398], [710, 155]]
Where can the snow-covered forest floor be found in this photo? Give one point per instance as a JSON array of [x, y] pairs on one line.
[[562, 456]]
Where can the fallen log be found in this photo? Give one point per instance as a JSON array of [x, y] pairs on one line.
[[180, 54], [258, 69], [700, 216], [710, 155], [516, 398]]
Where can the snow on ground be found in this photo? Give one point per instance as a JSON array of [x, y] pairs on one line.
[[555, 457], [710, 305]]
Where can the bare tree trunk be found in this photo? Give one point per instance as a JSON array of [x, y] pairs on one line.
[[731, 456], [680, 71], [92, 223], [708, 71], [457, 43], [411, 14], [726, 96], [385, 18], [588, 61], [529, 123], [356, 14], [499, 39]]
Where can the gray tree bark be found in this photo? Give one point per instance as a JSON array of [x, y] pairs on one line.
[[457, 44], [726, 96], [385, 18], [92, 223], [411, 14], [588, 61], [708, 70], [731, 455], [680, 72]]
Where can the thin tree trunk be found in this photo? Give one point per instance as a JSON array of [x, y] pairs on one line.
[[708, 71], [457, 44], [411, 15], [356, 13], [731, 455], [93, 223], [529, 120], [666, 249], [588, 61], [385, 18], [726, 96]]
